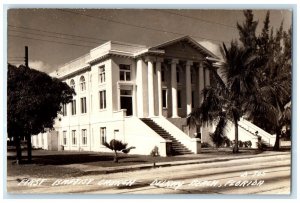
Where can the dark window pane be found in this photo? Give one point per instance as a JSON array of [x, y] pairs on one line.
[[164, 98], [127, 76], [122, 75], [179, 98]]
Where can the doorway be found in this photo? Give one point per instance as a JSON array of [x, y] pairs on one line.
[[126, 101]]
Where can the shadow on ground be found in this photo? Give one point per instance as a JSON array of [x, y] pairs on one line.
[[65, 159]]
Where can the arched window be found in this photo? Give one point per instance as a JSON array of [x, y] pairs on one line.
[[72, 84], [82, 84]]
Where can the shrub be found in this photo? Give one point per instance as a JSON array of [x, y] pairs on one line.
[[205, 145], [240, 143], [154, 152], [261, 146], [117, 145]]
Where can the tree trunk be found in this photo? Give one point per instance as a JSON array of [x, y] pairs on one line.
[[236, 137], [29, 148], [116, 160], [18, 149], [277, 142]]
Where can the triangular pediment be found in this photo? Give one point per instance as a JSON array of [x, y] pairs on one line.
[[185, 47]]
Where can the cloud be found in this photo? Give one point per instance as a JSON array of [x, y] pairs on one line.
[[212, 47], [41, 66]]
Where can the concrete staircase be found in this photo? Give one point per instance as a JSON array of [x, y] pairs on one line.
[[177, 147], [266, 138]]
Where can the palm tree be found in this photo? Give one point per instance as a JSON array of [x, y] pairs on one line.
[[116, 145], [234, 82], [274, 92]]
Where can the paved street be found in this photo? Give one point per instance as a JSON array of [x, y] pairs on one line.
[[267, 174]]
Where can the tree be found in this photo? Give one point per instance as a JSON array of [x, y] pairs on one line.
[[274, 81], [116, 146], [273, 77], [247, 31], [33, 102], [218, 137], [234, 82]]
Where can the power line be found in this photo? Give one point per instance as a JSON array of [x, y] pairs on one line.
[[200, 19], [137, 26], [58, 33], [43, 35], [49, 41]]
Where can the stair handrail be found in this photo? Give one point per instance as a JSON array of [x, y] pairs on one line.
[[250, 125]]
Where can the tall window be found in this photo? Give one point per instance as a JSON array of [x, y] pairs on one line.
[[125, 72], [101, 74], [177, 75], [179, 98], [72, 84], [84, 136], [74, 140], [64, 109], [164, 98], [83, 104], [64, 137], [102, 99], [102, 135], [73, 106], [82, 83]]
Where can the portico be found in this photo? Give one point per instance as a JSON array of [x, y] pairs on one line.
[[175, 82]]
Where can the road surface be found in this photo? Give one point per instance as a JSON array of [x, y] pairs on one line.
[[258, 175]]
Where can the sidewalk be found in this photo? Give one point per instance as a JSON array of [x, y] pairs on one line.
[[89, 170]]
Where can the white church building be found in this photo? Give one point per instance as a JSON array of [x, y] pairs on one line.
[[139, 95]]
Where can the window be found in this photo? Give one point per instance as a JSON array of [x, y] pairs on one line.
[[83, 104], [74, 140], [64, 109], [162, 75], [102, 135], [177, 75], [84, 136], [164, 98], [72, 84], [124, 72], [179, 99], [64, 137], [102, 98], [82, 84], [73, 106], [101, 74], [193, 99]]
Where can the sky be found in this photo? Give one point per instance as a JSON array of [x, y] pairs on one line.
[[57, 36]]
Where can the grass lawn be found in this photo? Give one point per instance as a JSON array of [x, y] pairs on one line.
[[65, 164]]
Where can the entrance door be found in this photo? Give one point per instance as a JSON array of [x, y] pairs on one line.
[[126, 103]]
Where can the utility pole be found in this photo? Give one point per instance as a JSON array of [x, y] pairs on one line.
[[26, 56]]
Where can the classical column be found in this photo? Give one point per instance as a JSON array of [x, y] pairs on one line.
[[207, 78], [150, 88], [174, 88], [159, 89], [201, 82], [188, 87], [134, 109], [118, 96], [141, 96]]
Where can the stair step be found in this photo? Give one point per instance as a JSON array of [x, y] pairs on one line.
[[177, 147]]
